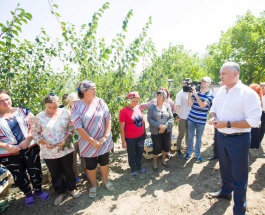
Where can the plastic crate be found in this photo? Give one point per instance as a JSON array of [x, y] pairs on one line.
[[148, 148], [174, 142]]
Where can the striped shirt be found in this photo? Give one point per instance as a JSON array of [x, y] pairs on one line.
[[198, 114], [7, 134], [93, 119]]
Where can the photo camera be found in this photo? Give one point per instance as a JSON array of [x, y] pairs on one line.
[[189, 84]]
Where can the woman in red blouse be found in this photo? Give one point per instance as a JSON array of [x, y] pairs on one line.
[[132, 129]]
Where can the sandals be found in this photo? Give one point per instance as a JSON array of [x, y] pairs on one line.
[[43, 196], [77, 180], [75, 194], [165, 165], [29, 201], [109, 186], [59, 199], [134, 174], [92, 192], [155, 168], [143, 171]]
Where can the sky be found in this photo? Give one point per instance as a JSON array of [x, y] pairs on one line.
[[192, 23]]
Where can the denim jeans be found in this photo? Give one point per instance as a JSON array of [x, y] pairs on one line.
[[199, 128], [135, 148]]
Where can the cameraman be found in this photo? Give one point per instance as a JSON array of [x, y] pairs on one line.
[[182, 109], [200, 103]]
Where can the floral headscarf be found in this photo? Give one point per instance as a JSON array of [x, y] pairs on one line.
[[132, 95], [83, 86], [163, 93]]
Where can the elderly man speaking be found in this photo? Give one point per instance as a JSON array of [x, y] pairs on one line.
[[236, 108]]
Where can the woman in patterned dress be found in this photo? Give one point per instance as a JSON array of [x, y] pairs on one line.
[[52, 130], [92, 120]]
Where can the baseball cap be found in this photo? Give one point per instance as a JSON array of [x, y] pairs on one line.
[[207, 79]]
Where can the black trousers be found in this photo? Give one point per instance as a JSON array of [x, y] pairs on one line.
[[27, 161], [255, 138], [61, 169], [215, 150]]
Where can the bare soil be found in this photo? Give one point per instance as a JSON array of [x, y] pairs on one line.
[[181, 189]]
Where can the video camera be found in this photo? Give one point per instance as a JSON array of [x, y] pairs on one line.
[[189, 84], [176, 116]]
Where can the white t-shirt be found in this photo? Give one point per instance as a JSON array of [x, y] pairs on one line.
[[182, 101]]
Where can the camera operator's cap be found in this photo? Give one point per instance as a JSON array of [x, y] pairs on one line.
[[207, 79], [132, 95]]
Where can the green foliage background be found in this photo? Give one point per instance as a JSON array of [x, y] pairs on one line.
[[26, 67]]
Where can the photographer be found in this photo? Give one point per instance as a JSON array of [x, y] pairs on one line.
[[200, 102], [182, 110]]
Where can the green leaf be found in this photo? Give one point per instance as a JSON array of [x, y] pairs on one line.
[[28, 16], [5, 70], [17, 27]]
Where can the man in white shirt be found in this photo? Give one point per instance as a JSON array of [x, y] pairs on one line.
[[182, 109], [236, 108], [262, 127]]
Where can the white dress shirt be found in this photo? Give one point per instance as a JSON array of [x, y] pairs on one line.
[[182, 101], [240, 103]]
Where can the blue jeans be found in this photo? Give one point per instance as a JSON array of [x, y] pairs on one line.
[[135, 149], [234, 163], [192, 126]]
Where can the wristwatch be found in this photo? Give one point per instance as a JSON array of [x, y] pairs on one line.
[[228, 124]]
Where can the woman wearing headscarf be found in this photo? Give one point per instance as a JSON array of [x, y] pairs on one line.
[[160, 120], [92, 121], [52, 131], [18, 152], [132, 130]]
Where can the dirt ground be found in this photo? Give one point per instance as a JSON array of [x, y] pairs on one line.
[[181, 189]]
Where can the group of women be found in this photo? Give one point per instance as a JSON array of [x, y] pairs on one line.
[[132, 129], [82, 127], [23, 138]]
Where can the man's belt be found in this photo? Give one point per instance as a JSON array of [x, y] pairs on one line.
[[234, 134]]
